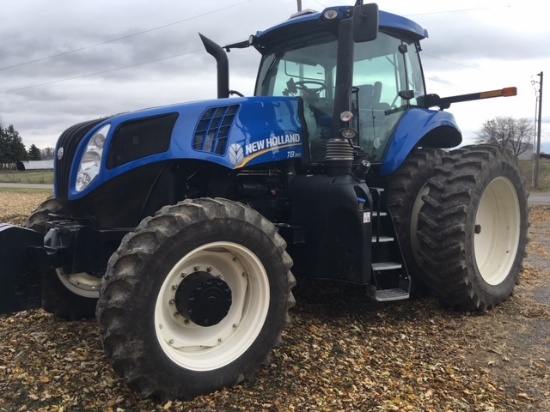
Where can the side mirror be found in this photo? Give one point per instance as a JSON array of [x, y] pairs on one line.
[[365, 22]]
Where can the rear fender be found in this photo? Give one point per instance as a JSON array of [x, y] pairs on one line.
[[420, 127], [20, 274]]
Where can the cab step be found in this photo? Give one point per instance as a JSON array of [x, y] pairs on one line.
[[381, 266], [382, 239], [388, 295]]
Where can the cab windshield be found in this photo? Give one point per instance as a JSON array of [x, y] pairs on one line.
[[387, 79]]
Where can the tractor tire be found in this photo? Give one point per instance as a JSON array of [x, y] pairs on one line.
[[195, 299], [473, 228], [407, 186], [68, 298]]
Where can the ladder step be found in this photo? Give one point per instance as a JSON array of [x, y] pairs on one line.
[[380, 266], [389, 295], [382, 239]]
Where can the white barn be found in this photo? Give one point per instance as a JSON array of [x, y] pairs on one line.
[[39, 165]]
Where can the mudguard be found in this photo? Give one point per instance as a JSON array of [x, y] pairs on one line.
[[20, 284], [412, 128]]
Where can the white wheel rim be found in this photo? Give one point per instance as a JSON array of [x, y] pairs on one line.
[[81, 284], [498, 221], [202, 348]]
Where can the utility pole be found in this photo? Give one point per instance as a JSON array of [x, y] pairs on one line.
[[537, 153], [299, 5]]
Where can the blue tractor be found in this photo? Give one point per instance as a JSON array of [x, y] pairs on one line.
[[178, 226]]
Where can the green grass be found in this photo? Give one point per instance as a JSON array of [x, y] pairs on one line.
[[31, 176], [544, 174], [24, 190]]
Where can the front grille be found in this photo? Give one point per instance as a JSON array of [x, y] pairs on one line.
[[69, 141], [213, 129]]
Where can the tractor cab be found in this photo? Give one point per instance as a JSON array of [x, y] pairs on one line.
[[383, 76]]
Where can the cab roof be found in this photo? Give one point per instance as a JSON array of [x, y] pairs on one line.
[[387, 22]]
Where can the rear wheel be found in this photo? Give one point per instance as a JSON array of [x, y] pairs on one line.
[[69, 297], [195, 299], [407, 187], [474, 228]]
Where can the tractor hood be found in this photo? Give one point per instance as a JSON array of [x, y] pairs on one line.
[[233, 133]]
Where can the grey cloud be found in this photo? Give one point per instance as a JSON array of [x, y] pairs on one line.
[[467, 41], [38, 28]]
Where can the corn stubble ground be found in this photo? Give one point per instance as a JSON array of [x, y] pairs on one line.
[[341, 353]]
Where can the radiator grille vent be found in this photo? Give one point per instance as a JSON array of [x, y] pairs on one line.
[[213, 129]]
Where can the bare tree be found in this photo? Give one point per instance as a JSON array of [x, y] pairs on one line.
[[47, 153], [507, 132]]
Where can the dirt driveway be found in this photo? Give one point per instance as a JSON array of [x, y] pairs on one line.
[[516, 347], [342, 352]]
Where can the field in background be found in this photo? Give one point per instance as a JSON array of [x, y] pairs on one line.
[[31, 176], [46, 176], [544, 174]]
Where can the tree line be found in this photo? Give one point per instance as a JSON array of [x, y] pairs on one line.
[[12, 149]]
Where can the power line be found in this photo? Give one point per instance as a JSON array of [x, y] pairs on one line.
[[121, 38], [435, 79], [97, 73], [448, 61], [169, 57], [458, 10], [321, 4]]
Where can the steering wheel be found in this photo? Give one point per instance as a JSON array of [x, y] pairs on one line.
[[301, 85]]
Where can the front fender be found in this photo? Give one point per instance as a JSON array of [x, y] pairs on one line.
[[420, 127]]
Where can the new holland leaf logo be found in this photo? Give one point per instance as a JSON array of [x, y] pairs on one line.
[[236, 154]]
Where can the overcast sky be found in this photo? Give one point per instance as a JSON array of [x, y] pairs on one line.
[[66, 61]]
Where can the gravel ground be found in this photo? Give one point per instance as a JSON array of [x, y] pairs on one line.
[[341, 353]]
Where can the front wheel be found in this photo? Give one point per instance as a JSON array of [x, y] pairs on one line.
[[195, 299], [474, 228]]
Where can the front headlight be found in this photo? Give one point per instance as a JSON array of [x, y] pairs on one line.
[[90, 164]]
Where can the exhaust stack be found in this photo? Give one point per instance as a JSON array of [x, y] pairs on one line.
[[223, 65]]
